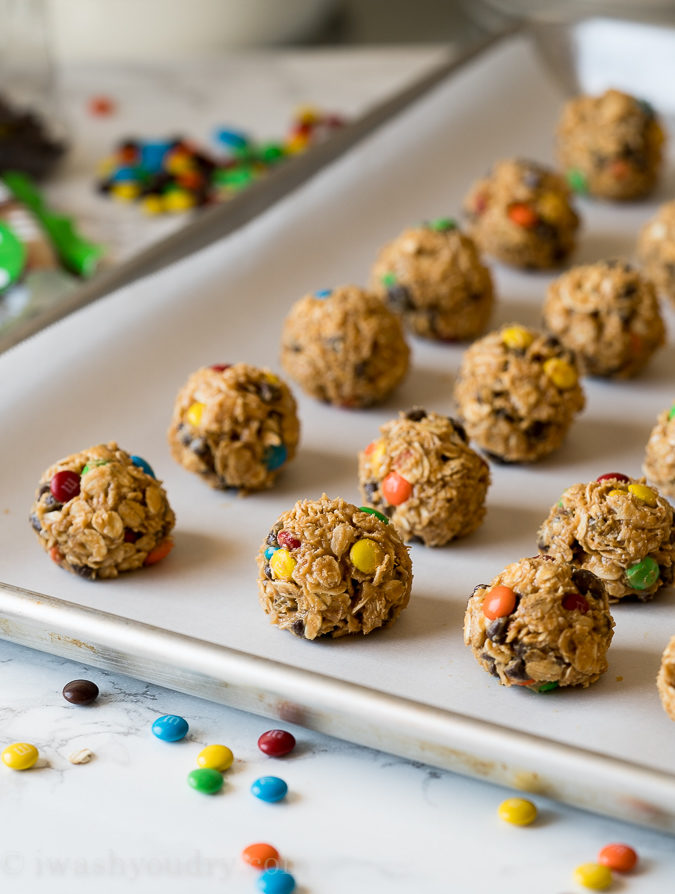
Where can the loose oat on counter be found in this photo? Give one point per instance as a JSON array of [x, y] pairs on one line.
[[540, 624], [433, 276], [656, 250], [327, 568], [659, 464], [424, 476], [611, 145], [619, 529], [521, 213], [234, 425], [344, 346], [101, 512], [665, 680], [608, 314], [517, 392]]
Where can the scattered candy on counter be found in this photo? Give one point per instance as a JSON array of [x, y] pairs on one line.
[[172, 176], [276, 881], [261, 856], [20, 756], [270, 789], [619, 857], [594, 876], [170, 728], [80, 692], [517, 811], [277, 742], [215, 757], [83, 756], [206, 780]]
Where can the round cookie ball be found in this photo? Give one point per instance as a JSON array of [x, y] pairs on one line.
[[518, 392], [608, 315], [541, 624], [425, 477], [433, 276], [521, 214], [610, 145], [656, 250], [659, 464], [619, 529], [344, 347], [327, 568], [100, 512], [665, 681], [236, 426]]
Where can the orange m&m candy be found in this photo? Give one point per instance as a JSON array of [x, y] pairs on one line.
[[620, 857], [499, 602], [395, 489], [159, 552], [523, 215], [261, 856]]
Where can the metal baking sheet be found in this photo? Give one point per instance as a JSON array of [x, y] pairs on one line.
[[111, 370]]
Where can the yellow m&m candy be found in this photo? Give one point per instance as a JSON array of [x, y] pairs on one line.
[[517, 337], [282, 564], [561, 373], [215, 757], [594, 876], [194, 414], [644, 493], [20, 756], [366, 556], [517, 811]]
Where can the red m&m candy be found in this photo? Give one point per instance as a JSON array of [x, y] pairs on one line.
[[276, 742], [285, 538], [65, 485], [612, 476], [220, 367], [575, 602]]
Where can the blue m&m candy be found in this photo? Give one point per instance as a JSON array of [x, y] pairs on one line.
[[143, 464], [276, 881], [170, 728], [269, 788], [275, 456], [323, 293]]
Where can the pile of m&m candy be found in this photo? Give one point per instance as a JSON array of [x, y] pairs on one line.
[[174, 175]]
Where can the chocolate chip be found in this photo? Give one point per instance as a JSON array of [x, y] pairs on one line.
[[298, 627], [537, 429], [459, 428], [35, 522], [295, 348], [267, 571], [480, 587], [184, 435], [269, 393], [497, 630], [416, 414], [542, 546], [491, 663], [666, 573], [444, 457], [360, 369], [399, 299], [532, 178], [504, 414], [272, 538], [516, 670], [83, 571], [587, 583], [370, 489], [416, 539]]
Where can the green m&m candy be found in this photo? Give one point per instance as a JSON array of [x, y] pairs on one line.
[[643, 574], [671, 412], [577, 180], [206, 780]]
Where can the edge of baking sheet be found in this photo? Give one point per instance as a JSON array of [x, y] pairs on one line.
[[345, 710], [348, 711]]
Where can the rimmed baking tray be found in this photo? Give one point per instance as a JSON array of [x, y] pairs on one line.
[[193, 622]]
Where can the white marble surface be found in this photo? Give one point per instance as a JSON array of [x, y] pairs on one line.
[[355, 820]]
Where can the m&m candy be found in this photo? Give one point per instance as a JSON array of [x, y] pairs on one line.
[[143, 464], [619, 857], [643, 574], [366, 556], [65, 485], [396, 489], [276, 881], [80, 692], [20, 756], [594, 876], [170, 728], [206, 780], [269, 788], [499, 602], [276, 742], [215, 757], [261, 856], [517, 811]]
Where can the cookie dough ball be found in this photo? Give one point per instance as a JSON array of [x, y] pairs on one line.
[[610, 145], [541, 623], [619, 529], [521, 214], [518, 392], [236, 426], [608, 315], [433, 277], [425, 477], [100, 512], [656, 250], [343, 346], [327, 569], [665, 681], [659, 465]]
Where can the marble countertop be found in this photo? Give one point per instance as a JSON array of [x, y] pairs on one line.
[[355, 820]]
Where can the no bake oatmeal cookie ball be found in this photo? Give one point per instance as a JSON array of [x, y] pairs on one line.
[[327, 568], [659, 465], [610, 145], [665, 681], [619, 529], [343, 346], [100, 512], [608, 315], [433, 276], [521, 214], [540, 624], [425, 477], [518, 392], [656, 250], [236, 426]]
